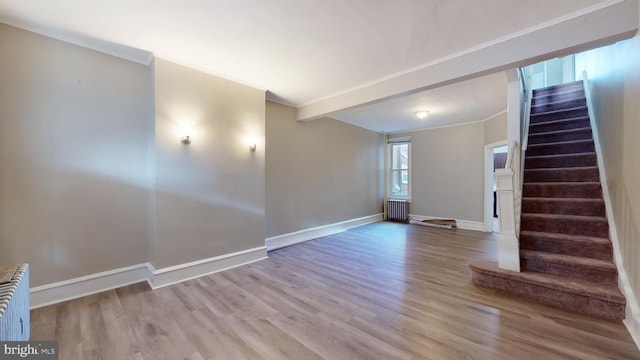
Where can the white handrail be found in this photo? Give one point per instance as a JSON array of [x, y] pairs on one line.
[[526, 107], [510, 155]]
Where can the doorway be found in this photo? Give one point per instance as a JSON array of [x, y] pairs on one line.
[[495, 157]]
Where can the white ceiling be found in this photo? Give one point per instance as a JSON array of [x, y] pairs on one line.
[[463, 102], [305, 51]]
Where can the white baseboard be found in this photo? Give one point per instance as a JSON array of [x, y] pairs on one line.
[[461, 224], [95, 283], [87, 285], [179, 273], [280, 241], [632, 322]]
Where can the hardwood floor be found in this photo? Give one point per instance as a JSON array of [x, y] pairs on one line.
[[380, 291]]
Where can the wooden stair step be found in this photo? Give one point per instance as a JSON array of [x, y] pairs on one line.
[[574, 174], [561, 161], [565, 224], [566, 206], [568, 266], [577, 245], [604, 301]]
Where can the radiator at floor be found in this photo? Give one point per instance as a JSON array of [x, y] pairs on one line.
[[398, 210], [14, 303]]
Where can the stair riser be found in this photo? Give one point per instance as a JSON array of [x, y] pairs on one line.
[[561, 148], [565, 226], [588, 191], [562, 175], [574, 86], [555, 106], [584, 249], [557, 97], [553, 297], [559, 125], [568, 161], [580, 134], [559, 115], [591, 208], [572, 271]]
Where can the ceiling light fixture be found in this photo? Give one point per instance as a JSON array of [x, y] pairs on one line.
[[422, 114]]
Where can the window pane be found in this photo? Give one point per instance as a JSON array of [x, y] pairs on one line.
[[400, 156], [398, 186]]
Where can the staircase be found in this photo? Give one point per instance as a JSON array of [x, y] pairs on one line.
[[565, 253]]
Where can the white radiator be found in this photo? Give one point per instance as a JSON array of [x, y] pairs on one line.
[[398, 210], [14, 304]]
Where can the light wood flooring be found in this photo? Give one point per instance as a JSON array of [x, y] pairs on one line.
[[380, 291]]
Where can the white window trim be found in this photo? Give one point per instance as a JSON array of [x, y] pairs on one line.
[[397, 141]]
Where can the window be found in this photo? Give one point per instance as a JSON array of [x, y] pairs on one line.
[[399, 170]]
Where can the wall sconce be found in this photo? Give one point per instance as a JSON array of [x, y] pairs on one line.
[[186, 140], [253, 147]]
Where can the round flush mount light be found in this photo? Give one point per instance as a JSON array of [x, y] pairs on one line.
[[422, 114]]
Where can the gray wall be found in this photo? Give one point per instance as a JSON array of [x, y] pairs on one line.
[[448, 168], [93, 176], [448, 172], [614, 74], [319, 172], [495, 129], [73, 157], [209, 195]]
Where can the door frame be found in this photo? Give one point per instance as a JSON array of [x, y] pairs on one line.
[[488, 183]]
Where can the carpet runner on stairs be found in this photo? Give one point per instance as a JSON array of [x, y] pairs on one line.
[[566, 256]]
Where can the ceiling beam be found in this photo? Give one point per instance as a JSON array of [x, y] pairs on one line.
[[599, 25]]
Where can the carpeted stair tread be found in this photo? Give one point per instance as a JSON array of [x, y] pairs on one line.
[[604, 292], [560, 124], [562, 147], [567, 206], [578, 245], [561, 160], [557, 97], [560, 135], [575, 267], [569, 259], [574, 174], [605, 301], [567, 224], [587, 189], [555, 89], [575, 112], [576, 102]]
